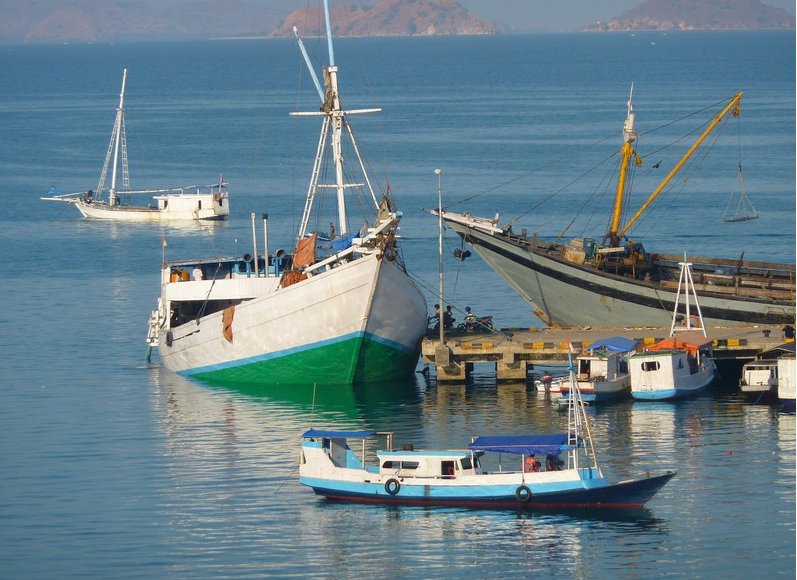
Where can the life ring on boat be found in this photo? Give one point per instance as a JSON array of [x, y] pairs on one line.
[[392, 486], [169, 338], [523, 494]]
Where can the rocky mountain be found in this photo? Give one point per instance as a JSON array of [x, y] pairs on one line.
[[115, 20], [120, 20], [390, 18], [697, 15]]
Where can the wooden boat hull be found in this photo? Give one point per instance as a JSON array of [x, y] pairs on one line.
[[671, 380], [359, 322], [597, 391], [178, 208], [582, 493], [568, 294]]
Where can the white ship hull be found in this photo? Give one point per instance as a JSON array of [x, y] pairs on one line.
[[361, 321], [183, 207]]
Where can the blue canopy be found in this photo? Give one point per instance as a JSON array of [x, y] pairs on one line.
[[343, 242], [614, 343], [338, 434], [523, 444]]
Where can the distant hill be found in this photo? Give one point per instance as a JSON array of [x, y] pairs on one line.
[[120, 20], [697, 15], [390, 18], [115, 20]]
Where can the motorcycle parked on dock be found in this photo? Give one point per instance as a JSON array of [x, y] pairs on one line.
[[477, 324]]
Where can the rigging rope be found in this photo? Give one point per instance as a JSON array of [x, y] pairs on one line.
[[592, 146]]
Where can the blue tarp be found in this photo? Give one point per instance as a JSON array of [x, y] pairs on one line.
[[614, 343], [338, 434], [522, 444], [343, 242]]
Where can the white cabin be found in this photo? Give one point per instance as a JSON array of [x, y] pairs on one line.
[[786, 378], [759, 375], [442, 464]]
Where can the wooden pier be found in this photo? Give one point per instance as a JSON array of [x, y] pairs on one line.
[[516, 350]]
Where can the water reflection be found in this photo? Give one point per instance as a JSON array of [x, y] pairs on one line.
[[536, 542]]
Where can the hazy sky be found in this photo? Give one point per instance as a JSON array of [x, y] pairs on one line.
[[562, 15]]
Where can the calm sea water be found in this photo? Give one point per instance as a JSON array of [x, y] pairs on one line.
[[111, 466]]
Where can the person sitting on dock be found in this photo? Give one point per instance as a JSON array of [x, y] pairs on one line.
[[531, 465]]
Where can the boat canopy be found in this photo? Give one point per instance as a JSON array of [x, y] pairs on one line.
[[338, 434], [689, 341], [614, 344], [523, 444]]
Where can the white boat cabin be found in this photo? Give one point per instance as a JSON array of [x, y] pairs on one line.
[[443, 464], [759, 375], [603, 366], [787, 378]]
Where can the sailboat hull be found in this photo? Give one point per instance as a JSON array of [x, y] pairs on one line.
[[176, 208], [360, 322], [569, 294]]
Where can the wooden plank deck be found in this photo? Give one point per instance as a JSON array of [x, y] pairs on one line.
[[515, 350]]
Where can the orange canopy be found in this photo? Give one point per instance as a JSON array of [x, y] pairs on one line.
[[688, 341]]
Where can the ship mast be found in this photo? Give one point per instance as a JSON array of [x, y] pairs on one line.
[[118, 140], [626, 154], [332, 133], [733, 105]]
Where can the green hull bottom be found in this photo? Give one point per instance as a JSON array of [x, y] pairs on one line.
[[354, 360]]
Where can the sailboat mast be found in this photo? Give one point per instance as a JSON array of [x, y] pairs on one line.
[[329, 34], [733, 105], [118, 128], [336, 124], [331, 75], [626, 153]]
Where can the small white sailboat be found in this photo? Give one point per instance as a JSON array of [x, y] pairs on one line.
[[682, 364], [194, 202], [341, 311], [602, 371]]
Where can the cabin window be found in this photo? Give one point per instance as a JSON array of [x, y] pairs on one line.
[[651, 365], [680, 363], [465, 463], [199, 204], [447, 468], [400, 465]]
